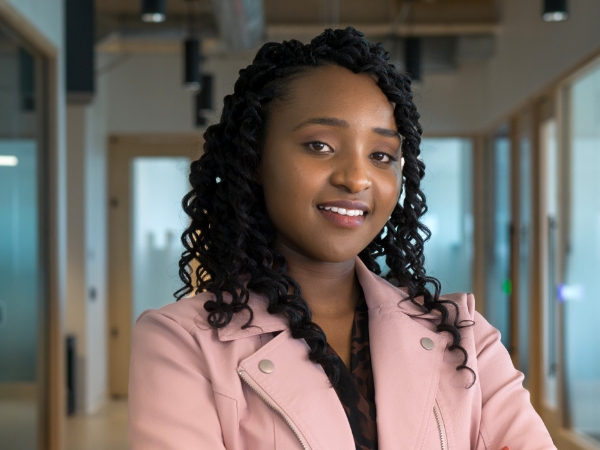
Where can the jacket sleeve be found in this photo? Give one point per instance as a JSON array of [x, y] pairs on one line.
[[508, 418], [171, 401]]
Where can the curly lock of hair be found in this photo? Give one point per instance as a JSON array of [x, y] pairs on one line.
[[230, 235]]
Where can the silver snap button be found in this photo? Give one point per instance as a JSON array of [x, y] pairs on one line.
[[266, 366], [427, 343]]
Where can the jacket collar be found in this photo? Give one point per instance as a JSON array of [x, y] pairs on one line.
[[405, 372], [378, 294]]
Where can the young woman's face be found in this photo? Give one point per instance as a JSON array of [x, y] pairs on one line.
[[332, 145]]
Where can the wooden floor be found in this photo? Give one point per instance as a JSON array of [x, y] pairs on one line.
[[18, 424], [104, 430]]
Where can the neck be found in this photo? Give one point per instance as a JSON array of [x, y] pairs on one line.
[[330, 289]]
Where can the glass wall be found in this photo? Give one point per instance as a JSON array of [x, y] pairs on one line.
[[581, 291], [448, 187], [22, 293], [159, 184], [498, 286]]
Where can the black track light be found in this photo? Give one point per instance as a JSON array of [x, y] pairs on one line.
[[192, 64], [412, 57], [154, 11], [555, 10]]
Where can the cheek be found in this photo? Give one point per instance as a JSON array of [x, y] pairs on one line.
[[389, 193], [289, 189]]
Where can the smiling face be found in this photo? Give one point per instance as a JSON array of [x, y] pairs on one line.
[[330, 164]]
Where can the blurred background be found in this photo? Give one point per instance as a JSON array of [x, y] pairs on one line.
[[102, 107]]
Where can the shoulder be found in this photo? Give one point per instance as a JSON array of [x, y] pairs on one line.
[[190, 314], [187, 313]]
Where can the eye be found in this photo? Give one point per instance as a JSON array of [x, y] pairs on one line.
[[317, 146], [383, 157]]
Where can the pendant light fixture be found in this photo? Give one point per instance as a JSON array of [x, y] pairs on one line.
[[555, 10], [191, 48], [412, 57], [154, 11], [191, 52]]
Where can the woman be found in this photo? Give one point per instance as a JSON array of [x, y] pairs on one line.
[[293, 340]]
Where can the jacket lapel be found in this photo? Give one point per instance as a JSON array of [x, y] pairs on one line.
[[301, 390], [296, 386], [406, 374]]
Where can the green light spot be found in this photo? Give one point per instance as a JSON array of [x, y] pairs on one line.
[[507, 286]]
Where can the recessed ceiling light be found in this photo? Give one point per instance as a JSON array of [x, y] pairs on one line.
[[8, 160]]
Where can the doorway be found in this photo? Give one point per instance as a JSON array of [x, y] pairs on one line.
[[148, 176]]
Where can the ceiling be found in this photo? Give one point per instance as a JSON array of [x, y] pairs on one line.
[[312, 11], [120, 19]]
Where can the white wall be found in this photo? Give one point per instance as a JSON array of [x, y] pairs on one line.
[[86, 227], [96, 250], [145, 93], [452, 103], [76, 280]]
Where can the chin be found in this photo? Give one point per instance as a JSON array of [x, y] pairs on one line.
[[334, 257]]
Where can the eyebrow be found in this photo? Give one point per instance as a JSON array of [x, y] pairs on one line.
[[333, 122]]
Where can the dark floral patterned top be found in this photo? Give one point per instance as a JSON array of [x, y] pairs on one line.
[[357, 389]]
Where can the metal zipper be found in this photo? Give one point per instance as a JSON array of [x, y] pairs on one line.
[[274, 407], [440, 425]]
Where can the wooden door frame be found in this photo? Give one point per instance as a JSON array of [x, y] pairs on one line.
[[122, 149], [52, 243]]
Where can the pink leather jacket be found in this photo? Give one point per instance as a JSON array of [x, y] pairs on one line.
[[193, 388]]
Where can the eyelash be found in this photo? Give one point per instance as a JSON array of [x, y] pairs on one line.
[[392, 158]]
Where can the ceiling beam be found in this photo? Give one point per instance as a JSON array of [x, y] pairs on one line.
[[285, 31]]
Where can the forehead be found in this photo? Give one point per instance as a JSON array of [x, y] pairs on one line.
[[335, 91]]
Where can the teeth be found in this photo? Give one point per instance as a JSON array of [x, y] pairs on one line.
[[343, 211]]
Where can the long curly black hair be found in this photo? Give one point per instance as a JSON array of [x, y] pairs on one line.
[[230, 236]]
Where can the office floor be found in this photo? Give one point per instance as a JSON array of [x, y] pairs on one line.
[[104, 430], [18, 424]]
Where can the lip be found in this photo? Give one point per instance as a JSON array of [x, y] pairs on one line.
[[342, 220], [346, 204]]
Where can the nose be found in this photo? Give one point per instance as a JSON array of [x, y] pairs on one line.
[[351, 173]]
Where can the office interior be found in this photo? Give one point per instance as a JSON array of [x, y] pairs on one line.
[[96, 104]]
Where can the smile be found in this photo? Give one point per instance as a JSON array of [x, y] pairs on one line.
[[345, 215], [343, 211]]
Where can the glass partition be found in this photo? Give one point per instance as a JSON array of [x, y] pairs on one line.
[[498, 286], [159, 184], [22, 299], [580, 292], [448, 187]]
